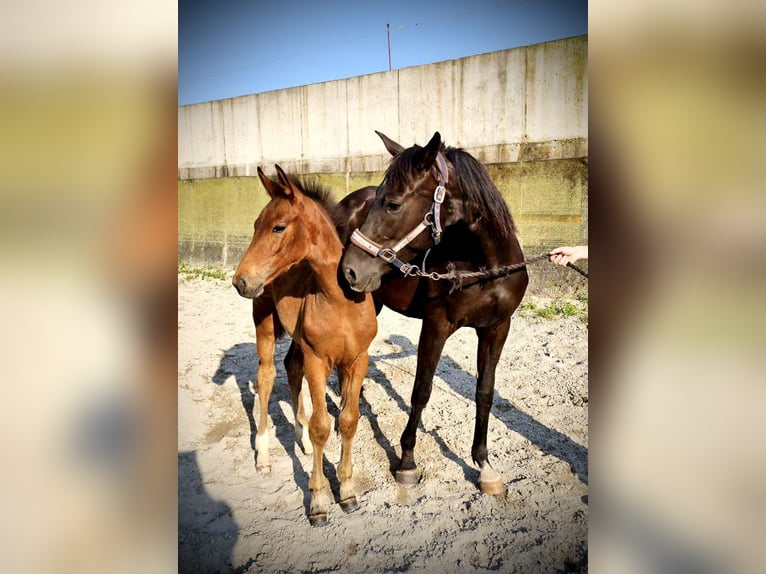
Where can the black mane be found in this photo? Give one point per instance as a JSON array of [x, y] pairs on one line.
[[480, 195], [317, 191]]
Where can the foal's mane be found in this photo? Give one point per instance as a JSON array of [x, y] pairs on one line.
[[481, 197], [317, 191]]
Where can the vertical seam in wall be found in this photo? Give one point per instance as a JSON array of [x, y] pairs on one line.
[[225, 169], [259, 155], [304, 104], [398, 108], [526, 94], [457, 137], [214, 135], [348, 144]]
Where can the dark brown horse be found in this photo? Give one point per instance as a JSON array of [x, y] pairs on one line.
[[437, 207], [290, 270]]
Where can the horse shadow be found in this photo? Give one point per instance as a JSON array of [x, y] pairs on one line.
[[550, 441], [207, 531], [374, 373], [241, 361]]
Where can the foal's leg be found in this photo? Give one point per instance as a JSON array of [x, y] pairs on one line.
[[265, 343], [491, 341], [433, 335], [317, 372], [348, 420], [294, 366]]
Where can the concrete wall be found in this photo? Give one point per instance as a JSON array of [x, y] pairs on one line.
[[502, 107], [522, 112]]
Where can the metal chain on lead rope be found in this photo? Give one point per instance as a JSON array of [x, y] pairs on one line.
[[458, 277]]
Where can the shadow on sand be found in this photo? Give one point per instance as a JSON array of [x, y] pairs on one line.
[[548, 440]]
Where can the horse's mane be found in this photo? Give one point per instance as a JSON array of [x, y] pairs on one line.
[[317, 191], [480, 195]]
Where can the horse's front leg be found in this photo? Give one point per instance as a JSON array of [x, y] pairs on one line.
[[317, 372], [491, 342], [347, 422], [265, 342], [433, 335]]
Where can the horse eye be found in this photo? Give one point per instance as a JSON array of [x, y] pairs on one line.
[[278, 228], [393, 206]]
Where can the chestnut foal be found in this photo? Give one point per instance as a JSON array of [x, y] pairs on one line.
[[290, 270]]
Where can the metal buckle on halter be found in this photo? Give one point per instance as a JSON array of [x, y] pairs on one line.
[[402, 266], [387, 254], [439, 194]]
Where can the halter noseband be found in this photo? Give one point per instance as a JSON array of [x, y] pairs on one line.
[[431, 219]]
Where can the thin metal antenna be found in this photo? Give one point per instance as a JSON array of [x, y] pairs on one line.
[[388, 35]]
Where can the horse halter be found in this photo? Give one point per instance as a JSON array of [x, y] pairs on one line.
[[431, 219]]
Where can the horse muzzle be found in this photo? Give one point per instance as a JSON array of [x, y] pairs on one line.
[[362, 273], [250, 289]]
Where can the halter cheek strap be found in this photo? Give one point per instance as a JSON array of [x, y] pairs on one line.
[[431, 219], [439, 195]]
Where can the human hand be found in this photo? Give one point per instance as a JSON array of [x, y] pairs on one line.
[[565, 255]]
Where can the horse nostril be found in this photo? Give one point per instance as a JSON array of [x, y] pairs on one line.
[[239, 284], [350, 275]]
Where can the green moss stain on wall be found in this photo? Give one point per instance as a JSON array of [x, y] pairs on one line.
[[215, 218], [549, 203], [210, 207], [548, 200]]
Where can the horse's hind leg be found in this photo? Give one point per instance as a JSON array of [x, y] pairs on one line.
[[294, 367], [317, 372], [433, 335], [265, 337], [491, 341], [348, 420]]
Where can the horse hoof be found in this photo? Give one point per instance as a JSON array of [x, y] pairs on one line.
[[349, 505], [318, 519], [263, 469], [491, 487], [408, 477]]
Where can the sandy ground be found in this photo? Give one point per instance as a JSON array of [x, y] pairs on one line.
[[233, 519]]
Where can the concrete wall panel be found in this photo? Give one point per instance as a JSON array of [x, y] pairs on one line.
[[373, 104], [245, 144], [491, 92], [556, 80], [511, 105], [280, 119], [325, 121], [426, 103]]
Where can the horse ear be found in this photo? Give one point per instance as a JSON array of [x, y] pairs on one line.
[[427, 156], [288, 188], [272, 188], [393, 148]]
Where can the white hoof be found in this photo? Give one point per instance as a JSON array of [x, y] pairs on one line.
[[490, 482], [262, 451]]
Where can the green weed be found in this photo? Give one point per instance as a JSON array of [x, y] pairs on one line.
[[554, 308], [189, 272]]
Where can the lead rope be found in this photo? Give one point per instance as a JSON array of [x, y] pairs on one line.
[[458, 277]]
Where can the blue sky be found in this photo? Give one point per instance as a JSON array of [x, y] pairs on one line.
[[230, 48]]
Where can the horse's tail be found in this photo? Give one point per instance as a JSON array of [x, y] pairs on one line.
[[279, 329]]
